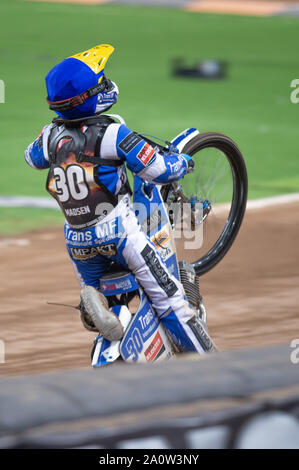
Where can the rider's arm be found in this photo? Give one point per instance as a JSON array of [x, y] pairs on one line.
[[143, 160], [36, 154]]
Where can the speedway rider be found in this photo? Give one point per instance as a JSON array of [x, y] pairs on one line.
[[85, 152]]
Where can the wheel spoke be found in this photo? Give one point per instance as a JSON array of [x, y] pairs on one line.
[[220, 177]]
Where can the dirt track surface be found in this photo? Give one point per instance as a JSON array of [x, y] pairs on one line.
[[252, 296]]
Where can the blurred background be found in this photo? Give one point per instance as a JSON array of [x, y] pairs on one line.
[[252, 104]]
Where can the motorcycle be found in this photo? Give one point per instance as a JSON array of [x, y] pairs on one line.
[[213, 199]]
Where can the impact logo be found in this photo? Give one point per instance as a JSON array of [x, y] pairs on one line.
[[2, 91], [295, 93]]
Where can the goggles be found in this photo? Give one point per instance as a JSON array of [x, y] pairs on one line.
[[77, 100]]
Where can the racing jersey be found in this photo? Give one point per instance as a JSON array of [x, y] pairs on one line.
[[81, 186]]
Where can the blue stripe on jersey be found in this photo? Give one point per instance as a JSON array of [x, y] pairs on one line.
[[108, 176], [131, 156]]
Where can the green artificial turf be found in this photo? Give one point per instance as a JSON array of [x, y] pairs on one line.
[[252, 105], [14, 220]]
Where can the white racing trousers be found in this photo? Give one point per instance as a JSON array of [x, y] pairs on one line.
[[119, 238]]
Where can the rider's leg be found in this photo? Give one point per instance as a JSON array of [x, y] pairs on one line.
[[136, 252], [164, 290]]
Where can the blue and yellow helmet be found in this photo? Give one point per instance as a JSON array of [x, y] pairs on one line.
[[73, 85]]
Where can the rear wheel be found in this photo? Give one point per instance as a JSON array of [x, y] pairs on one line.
[[219, 177]]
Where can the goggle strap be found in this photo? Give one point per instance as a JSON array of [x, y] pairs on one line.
[[71, 103]]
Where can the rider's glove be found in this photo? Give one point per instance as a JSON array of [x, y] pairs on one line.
[[190, 162]]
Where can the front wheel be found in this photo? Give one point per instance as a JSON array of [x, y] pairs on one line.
[[219, 177]]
